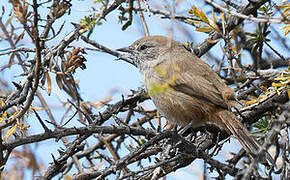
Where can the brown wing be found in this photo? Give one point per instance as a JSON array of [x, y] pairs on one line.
[[195, 78]]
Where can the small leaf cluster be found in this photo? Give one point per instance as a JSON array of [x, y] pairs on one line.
[[88, 23], [257, 38], [210, 24]]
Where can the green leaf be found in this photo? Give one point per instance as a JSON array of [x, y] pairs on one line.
[[204, 29]]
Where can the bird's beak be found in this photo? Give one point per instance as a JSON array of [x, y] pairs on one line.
[[127, 57], [125, 49]]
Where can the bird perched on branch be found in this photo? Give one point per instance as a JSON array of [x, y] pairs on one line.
[[185, 89]]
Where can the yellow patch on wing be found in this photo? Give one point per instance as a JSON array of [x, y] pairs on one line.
[[160, 71], [158, 88]]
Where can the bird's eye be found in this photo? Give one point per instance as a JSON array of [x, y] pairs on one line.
[[142, 47]]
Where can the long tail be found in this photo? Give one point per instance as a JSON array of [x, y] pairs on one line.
[[241, 133]]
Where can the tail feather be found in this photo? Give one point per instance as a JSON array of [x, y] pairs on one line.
[[241, 133]]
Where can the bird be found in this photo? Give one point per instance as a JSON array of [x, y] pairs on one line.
[[187, 90]]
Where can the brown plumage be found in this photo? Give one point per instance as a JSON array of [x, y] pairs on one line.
[[186, 89]]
